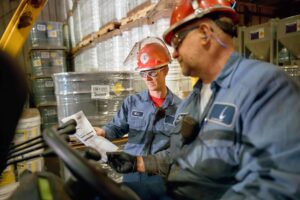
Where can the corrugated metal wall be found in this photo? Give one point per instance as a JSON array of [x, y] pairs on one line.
[[54, 10]]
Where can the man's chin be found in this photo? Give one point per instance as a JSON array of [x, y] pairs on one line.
[[184, 70], [151, 88]]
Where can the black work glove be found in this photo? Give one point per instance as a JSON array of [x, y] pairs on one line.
[[122, 162]]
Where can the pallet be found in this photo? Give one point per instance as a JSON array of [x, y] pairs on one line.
[[84, 42], [88, 37], [140, 14], [111, 26]]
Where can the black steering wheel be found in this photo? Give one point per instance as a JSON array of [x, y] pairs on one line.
[[85, 172]]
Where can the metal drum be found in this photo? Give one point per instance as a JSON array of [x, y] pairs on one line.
[[99, 95]]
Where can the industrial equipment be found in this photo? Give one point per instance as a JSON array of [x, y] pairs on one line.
[[260, 41], [288, 45], [238, 41], [20, 26]]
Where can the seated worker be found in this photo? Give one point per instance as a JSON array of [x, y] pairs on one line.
[[148, 116], [240, 130]]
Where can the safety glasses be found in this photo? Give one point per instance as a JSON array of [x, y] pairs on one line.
[[179, 37], [151, 73]]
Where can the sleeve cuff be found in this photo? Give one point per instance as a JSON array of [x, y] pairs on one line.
[[150, 164]]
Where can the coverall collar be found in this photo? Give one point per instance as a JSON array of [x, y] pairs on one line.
[[168, 101], [225, 77]]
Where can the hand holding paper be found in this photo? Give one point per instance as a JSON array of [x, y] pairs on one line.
[[87, 135]]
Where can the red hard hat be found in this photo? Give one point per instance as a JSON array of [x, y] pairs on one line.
[[149, 53], [152, 56], [187, 10]]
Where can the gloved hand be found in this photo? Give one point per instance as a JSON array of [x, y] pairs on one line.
[[122, 162]]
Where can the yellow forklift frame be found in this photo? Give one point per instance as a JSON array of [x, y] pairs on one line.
[[20, 26]]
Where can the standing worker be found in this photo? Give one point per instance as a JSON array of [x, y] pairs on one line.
[[148, 116], [240, 130]]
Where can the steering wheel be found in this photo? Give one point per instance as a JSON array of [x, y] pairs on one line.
[[85, 172]]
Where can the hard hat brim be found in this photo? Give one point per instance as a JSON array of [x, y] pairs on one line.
[[151, 68], [169, 33]]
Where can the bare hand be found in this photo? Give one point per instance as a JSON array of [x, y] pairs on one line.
[[100, 131]]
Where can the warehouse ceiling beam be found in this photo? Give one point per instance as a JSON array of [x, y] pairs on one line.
[[20, 25]]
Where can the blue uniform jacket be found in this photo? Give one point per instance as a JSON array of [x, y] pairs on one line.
[[248, 142], [136, 118]]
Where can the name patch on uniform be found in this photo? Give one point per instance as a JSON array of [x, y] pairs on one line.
[[222, 113], [137, 113], [169, 119]]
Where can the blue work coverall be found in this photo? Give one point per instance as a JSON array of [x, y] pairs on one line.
[[248, 141], [149, 128]]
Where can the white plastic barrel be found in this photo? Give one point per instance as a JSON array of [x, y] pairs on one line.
[[28, 126], [176, 82]]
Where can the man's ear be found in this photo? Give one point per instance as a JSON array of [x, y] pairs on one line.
[[205, 31]]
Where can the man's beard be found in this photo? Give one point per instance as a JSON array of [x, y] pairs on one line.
[[185, 71]]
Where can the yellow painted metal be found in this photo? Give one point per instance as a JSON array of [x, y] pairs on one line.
[[20, 25], [194, 80]]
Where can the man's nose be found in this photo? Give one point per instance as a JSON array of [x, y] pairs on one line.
[[149, 78]]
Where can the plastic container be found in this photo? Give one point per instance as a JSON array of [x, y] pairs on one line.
[[176, 82], [118, 55], [87, 61], [55, 34], [47, 34], [139, 85], [96, 110], [49, 116], [98, 95], [38, 34], [89, 16], [43, 91], [28, 125], [47, 62], [101, 56], [77, 25], [72, 31], [112, 10], [35, 165]]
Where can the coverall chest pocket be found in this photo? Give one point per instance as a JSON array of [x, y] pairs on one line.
[[218, 138], [219, 145], [167, 125], [136, 122]]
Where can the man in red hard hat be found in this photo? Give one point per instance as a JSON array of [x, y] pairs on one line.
[[148, 116], [238, 129]]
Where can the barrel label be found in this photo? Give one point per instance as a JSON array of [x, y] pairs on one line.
[[99, 91], [118, 88]]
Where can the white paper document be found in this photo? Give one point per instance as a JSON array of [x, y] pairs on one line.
[[87, 135]]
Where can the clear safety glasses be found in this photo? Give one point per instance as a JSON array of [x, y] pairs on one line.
[[179, 37], [151, 73]]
